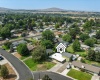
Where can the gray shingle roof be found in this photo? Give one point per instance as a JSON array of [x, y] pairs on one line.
[[86, 67], [68, 55]]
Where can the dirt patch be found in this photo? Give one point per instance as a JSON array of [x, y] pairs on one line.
[[17, 55], [41, 67], [12, 75]]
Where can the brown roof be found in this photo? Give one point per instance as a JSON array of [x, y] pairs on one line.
[[86, 66], [30, 47], [58, 33]]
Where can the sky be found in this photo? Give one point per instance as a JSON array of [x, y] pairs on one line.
[[81, 5]]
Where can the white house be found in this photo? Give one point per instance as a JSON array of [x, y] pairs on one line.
[[61, 48], [58, 57]]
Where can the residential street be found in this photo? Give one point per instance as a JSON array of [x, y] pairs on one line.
[[23, 71], [2, 42], [52, 75]]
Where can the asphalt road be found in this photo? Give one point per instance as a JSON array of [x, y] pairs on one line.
[[23, 71], [52, 75]]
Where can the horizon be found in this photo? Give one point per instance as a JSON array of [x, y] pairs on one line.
[[76, 5]]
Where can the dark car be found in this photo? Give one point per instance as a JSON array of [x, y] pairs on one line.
[[1, 58]]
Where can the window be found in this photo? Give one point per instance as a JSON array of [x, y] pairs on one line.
[[60, 49]]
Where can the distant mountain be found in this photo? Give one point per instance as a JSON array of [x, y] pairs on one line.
[[52, 9], [2, 9]]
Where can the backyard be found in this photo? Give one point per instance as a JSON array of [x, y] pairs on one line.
[[81, 53], [79, 75], [34, 66]]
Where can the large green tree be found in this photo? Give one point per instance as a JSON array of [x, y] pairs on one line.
[[39, 54], [90, 42], [48, 35], [67, 38], [47, 43], [76, 45], [22, 49], [83, 37], [5, 32], [91, 55]]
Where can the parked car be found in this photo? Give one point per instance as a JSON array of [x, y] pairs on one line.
[[68, 66], [1, 58]]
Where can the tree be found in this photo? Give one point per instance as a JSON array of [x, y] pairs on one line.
[[98, 34], [7, 44], [5, 32], [48, 35], [83, 37], [90, 42], [88, 25], [47, 43], [33, 24], [57, 26], [40, 25], [46, 77], [97, 56], [73, 33], [91, 55], [22, 49], [11, 48], [39, 54], [67, 38], [76, 45], [4, 71]]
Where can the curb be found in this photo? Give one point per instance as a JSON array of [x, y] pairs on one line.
[[13, 69]]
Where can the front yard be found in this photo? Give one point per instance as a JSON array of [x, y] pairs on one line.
[[38, 66], [79, 75]]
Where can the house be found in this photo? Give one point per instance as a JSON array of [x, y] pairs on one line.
[[97, 49], [68, 56], [61, 55], [38, 37], [61, 48], [85, 47], [30, 47], [15, 44], [92, 34], [88, 68], [49, 51], [58, 57]]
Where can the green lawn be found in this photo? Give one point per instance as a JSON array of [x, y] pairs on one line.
[[38, 66], [81, 53], [23, 57], [79, 75], [4, 47], [92, 62], [70, 49]]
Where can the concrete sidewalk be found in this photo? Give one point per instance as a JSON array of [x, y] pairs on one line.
[[65, 72]]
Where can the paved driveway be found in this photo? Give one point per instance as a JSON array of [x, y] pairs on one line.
[[95, 77], [23, 71], [52, 75]]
